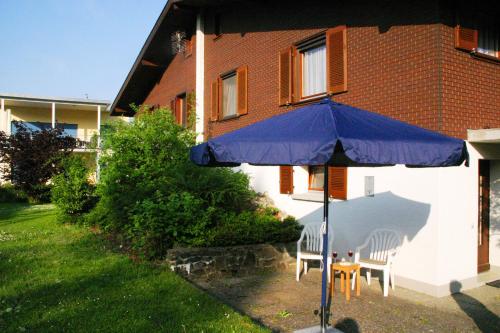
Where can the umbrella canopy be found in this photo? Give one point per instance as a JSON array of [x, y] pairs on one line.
[[329, 133], [333, 133]]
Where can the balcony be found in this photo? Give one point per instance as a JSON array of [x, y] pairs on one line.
[[85, 145]]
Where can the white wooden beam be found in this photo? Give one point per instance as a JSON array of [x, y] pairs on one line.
[[9, 121], [53, 115], [99, 120], [3, 116], [98, 152]]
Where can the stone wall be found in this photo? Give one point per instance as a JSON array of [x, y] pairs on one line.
[[232, 260]]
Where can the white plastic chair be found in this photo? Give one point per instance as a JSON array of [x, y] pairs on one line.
[[312, 236], [383, 246]]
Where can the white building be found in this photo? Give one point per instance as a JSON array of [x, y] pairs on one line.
[[436, 211]]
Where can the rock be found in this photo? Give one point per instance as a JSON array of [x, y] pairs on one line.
[[209, 263]]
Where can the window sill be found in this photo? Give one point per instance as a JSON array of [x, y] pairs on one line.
[[309, 100], [312, 196], [486, 57], [227, 118]]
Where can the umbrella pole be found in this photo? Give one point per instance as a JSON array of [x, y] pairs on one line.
[[324, 281]]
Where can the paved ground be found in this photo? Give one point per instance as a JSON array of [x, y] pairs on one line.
[[279, 302]]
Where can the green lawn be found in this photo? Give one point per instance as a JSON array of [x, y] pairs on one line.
[[61, 278]]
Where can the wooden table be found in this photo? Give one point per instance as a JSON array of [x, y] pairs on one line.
[[345, 279]]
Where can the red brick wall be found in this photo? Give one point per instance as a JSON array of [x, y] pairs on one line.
[[471, 90], [178, 78], [391, 71], [401, 63]]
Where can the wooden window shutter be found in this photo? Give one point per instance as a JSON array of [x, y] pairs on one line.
[[220, 116], [188, 46], [242, 90], [336, 55], [172, 106], [465, 38], [178, 110], [286, 179], [296, 75], [337, 182], [285, 76], [214, 100]]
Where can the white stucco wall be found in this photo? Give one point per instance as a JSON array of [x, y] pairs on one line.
[[435, 211], [458, 220], [402, 202]]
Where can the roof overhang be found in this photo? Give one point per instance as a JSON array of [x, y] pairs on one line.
[[154, 57], [156, 53], [47, 99], [487, 135]]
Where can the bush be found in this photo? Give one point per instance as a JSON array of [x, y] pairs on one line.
[[72, 192], [252, 227], [30, 158], [152, 194], [8, 194]]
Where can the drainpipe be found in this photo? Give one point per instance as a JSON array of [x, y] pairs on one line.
[[200, 77]]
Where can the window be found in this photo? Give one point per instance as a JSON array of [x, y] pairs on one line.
[[181, 110], [337, 180], [67, 129], [313, 71], [314, 67], [229, 95], [488, 40], [482, 42], [316, 177]]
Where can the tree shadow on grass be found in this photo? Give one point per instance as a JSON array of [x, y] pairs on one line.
[[97, 291], [484, 319], [9, 210], [234, 306]]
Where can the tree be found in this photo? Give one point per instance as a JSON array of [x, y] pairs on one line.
[[30, 158], [72, 192]]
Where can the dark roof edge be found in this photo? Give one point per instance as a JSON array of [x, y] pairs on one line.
[[137, 61], [47, 99]]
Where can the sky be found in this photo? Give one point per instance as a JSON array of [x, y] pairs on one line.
[[71, 48]]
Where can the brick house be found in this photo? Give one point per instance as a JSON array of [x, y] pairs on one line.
[[435, 64]]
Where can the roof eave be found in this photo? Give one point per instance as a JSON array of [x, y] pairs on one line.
[[139, 58], [33, 98]]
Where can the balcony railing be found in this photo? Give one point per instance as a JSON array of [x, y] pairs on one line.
[[82, 144]]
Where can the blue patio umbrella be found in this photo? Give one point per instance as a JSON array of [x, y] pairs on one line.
[[331, 134]]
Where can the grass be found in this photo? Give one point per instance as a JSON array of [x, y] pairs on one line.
[[63, 278]]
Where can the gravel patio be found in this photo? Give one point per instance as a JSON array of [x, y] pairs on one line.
[[277, 301]]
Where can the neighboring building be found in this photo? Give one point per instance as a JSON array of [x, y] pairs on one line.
[[435, 64], [79, 118]]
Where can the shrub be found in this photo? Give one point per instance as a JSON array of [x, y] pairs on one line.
[[151, 192], [72, 192], [8, 194], [252, 227], [30, 158]]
